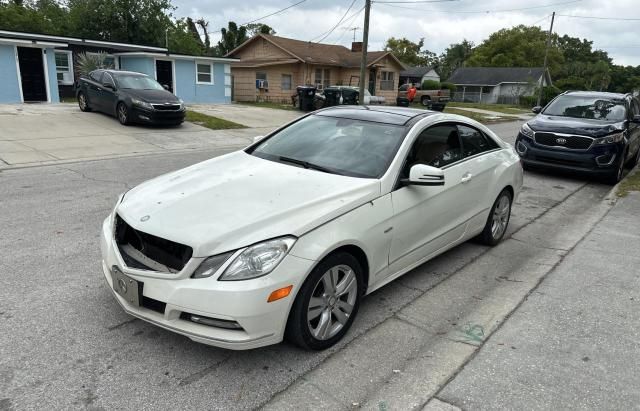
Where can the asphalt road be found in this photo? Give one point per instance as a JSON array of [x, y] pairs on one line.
[[65, 343]]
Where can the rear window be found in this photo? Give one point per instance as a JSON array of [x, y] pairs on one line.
[[604, 109]]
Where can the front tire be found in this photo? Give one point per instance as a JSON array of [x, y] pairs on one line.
[[327, 303], [122, 112], [498, 219], [83, 103], [426, 101], [615, 177]]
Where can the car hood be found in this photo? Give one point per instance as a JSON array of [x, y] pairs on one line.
[[579, 126], [236, 200], [153, 96]]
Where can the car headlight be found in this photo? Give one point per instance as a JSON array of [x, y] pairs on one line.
[[112, 217], [526, 131], [141, 103], [181, 102], [613, 138], [212, 264], [258, 260]]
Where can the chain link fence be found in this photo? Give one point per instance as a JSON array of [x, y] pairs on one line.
[[488, 98]]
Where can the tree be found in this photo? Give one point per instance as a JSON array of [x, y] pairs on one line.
[[232, 37], [454, 57], [259, 28], [183, 40], [520, 46], [410, 53]]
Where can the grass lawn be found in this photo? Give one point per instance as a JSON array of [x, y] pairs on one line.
[[481, 118], [630, 183], [268, 104], [500, 108], [214, 123], [68, 100]]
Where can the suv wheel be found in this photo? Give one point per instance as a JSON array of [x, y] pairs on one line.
[[425, 101], [615, 177]]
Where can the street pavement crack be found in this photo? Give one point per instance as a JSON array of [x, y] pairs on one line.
[[122, 324], [191, 378], [97, 180]]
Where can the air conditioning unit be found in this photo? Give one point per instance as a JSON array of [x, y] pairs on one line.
[[262, 84]]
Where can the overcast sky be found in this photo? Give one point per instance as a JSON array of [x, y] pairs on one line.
[[440, 23]]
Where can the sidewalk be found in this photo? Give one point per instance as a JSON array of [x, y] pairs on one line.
[[496, 114], [574, 342]]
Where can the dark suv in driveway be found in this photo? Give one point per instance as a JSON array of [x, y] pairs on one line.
[[584, 131]]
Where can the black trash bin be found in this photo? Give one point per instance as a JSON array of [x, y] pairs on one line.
[[402, 101], [306, 97], [349, 96], [331, 96]]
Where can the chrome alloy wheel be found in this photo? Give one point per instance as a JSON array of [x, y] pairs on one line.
[[500, 217], [82, 101], [332, 302], [122, 113]]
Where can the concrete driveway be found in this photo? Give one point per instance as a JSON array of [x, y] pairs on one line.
[[37, 134], [250, 116]]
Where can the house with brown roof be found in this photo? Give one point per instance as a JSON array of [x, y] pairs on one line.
[[270, 68]]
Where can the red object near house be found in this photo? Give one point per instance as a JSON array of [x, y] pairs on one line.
[[411, 93]]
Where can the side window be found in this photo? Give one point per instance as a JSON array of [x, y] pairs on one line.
[[106, 78], [474, 141], [96, 75], [436, 146], [635, 108]]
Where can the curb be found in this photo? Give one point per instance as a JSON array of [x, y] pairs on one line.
[[612, 197]]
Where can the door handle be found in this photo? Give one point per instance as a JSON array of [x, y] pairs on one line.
[[466, 178]]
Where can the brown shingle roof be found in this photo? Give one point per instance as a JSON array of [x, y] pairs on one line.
[[318, 53]]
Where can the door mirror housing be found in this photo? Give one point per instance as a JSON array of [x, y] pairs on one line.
[[636, 119], [108, 85], [424, 175], [537, 109], [165, 86], [257, 138]]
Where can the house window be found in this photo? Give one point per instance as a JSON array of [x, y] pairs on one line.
[[387, 81], [204, 73], [64, 67], [286, 82], [323, 78]]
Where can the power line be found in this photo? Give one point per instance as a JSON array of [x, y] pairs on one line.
[[339, 21], [348, 19], [482, 11], [354, 29], [263, 17], [414, 2], [599, 18], [542, 19]]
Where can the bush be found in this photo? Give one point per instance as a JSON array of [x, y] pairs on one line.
[[548, 94], [430, 85], [448, 86]]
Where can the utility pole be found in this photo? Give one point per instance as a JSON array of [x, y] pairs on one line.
[[546, 56], [365, 41], [354, 29]]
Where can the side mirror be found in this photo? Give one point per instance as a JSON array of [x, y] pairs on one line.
[[424, 175], [166, 87], [537, 109], [636, 119], [257, 138], [108, 85]]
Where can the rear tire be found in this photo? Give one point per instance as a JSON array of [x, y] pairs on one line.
[[498, 220], [425, 101], [327, 303], [635, 160], [83, 103]]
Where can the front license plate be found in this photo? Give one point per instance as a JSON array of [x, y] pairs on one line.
[[126, 287]]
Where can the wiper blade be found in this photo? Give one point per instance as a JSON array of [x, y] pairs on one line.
[[307, 164]]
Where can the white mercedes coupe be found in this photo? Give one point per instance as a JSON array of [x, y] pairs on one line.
[[284, 238]]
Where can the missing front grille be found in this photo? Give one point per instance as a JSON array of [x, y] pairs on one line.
[[148, 252]]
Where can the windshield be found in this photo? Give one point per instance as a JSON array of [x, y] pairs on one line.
[[337, 145], [137, 82], [587, 107]]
